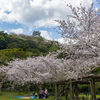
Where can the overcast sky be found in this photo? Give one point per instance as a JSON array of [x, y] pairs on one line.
[[26, 16]]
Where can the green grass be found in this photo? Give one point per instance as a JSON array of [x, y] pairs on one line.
[[12, 98], [7, 95]]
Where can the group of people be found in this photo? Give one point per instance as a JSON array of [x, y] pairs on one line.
[[44, 94]]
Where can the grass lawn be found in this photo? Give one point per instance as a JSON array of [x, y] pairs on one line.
[[8, 95], [12, 98]]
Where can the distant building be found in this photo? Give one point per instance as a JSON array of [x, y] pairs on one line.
[[36, 34]]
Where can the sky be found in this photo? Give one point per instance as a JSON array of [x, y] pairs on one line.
[[26, 16]]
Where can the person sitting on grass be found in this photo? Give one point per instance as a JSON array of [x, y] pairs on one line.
[[40, 95], [36, 95]]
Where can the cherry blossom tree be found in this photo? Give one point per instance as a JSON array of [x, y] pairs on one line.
[[36, 70], [82, 27], [82, 33], [48, 69]]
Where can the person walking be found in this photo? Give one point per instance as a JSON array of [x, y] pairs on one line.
[[66, 93]]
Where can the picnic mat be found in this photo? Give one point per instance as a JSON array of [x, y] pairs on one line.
[[25, 97]]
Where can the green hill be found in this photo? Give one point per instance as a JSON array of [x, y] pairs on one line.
[[22, 46]]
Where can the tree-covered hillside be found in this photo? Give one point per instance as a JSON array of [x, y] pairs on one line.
[[22, 46]]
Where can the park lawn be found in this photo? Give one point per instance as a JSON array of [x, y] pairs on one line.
[[8, 95], [12, 98], [82, 95]]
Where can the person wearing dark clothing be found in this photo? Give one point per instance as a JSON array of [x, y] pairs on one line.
[[66, 93], [42, 94], [39, 94]]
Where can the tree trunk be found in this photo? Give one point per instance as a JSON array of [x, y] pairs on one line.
[[76, 91], [93, 92], [0, 86], [12, 87], [71, 91], [29, 89], [40, 87], [56, 91]]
